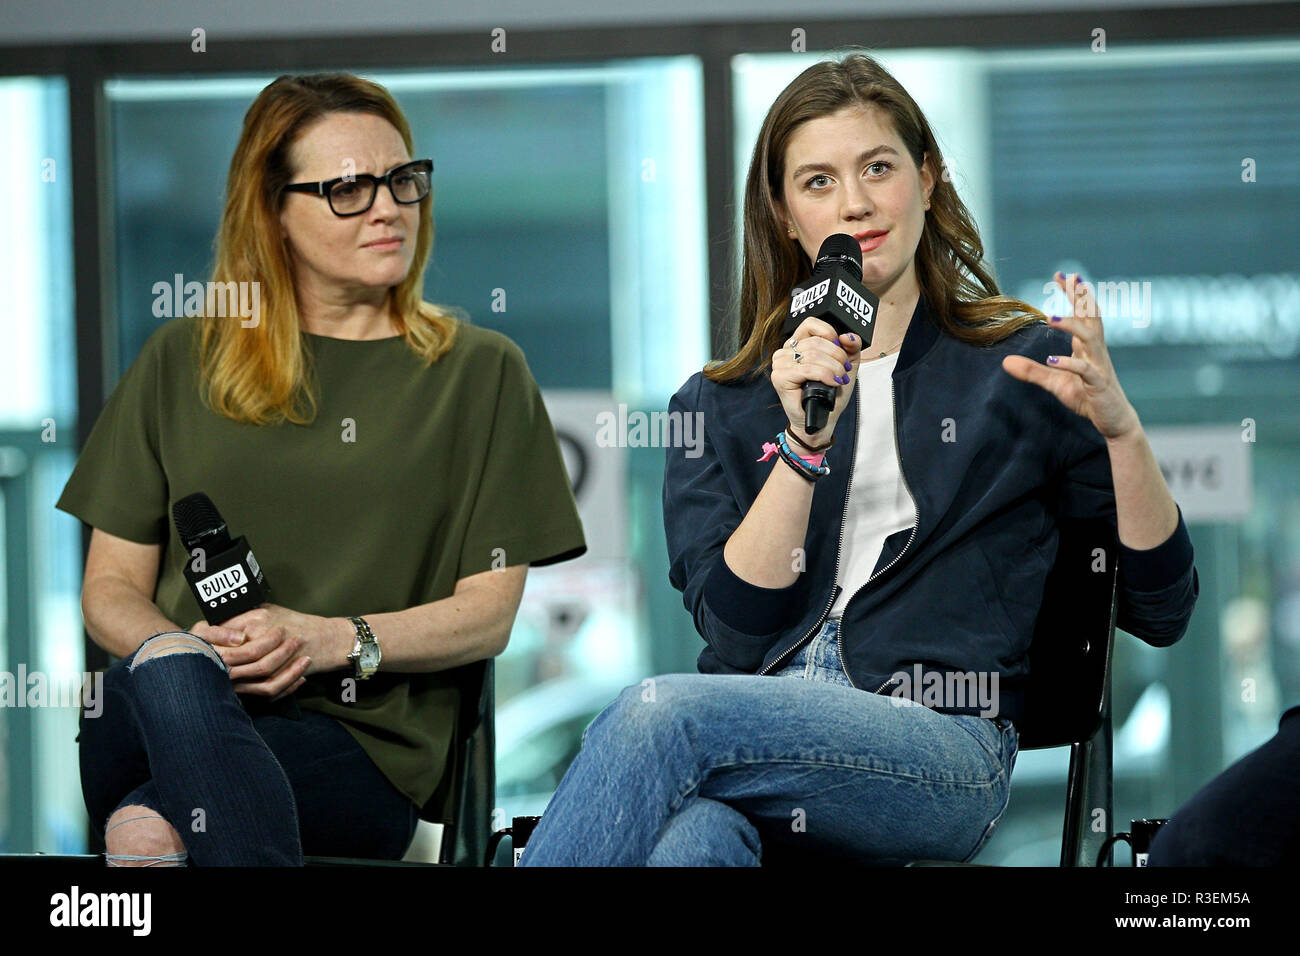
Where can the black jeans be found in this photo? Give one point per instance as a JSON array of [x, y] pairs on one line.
[[172, 735], [1249, 815]]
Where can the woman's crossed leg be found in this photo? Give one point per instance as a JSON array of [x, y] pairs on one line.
[[702, 769]]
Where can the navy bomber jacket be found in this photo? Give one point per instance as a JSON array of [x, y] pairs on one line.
[[960, 591]]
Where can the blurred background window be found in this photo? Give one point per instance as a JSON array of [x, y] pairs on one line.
[[40, 594]]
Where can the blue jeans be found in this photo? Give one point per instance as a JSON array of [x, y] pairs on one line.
[[704, 769], [173, 736]]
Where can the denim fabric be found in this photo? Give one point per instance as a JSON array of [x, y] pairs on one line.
[[704, 769], [173, 736]]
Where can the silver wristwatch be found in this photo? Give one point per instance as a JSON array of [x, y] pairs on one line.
[[366, 655]]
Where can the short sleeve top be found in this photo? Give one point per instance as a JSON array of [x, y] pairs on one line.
[[409, 478]]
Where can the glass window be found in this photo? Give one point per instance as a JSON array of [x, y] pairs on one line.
[[41, 660]]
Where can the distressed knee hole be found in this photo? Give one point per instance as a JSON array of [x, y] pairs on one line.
[[169, 859], [140, 836], [160, 645]]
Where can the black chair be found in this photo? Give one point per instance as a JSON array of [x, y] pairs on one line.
[[462, 804], [1067, 694]]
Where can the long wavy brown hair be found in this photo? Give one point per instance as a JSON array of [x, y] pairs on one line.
[[263, 374], [950, 270]]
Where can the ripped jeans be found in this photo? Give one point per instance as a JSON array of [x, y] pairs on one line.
[[712, 769], [172, 736]]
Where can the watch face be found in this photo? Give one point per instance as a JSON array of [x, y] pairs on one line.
[[369, 656]]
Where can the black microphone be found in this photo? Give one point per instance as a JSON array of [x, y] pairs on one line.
[[223, 574], [835, 294], [225, 579]]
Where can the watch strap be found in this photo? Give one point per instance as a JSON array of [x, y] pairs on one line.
[[364, 636]]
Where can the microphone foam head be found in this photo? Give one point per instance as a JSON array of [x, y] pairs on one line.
[[196, 517], [840, 249]]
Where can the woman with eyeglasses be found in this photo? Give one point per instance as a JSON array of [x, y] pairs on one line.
[[867, 593], [395, 473]]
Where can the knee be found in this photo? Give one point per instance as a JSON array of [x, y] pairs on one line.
[[174, 642], [655, 705], [139, 836]]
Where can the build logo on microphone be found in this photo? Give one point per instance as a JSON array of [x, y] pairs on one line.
[[855, 303], [222, 584]]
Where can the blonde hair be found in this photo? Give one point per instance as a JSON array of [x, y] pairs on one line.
[[961, 293], [263, 374]]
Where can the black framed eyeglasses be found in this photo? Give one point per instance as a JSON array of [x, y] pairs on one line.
[[353, 195]]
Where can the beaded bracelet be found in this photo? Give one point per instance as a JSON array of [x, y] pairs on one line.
[[810, 470], [802, 472]]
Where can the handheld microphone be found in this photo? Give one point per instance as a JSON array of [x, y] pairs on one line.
[[223, 574], [225, 579], [835, 294]]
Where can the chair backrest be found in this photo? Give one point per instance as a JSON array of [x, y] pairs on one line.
[[1069, 655], [464, 798]]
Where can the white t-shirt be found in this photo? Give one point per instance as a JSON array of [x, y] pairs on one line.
[[879, 502]]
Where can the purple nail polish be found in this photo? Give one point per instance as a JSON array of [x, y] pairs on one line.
[[842, 379], [848, 366], [1053, 359], [1055, 318]]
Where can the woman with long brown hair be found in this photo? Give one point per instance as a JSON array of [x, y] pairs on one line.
[[393, 468], [867, 624]]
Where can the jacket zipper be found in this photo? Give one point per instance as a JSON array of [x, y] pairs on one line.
[[916, 523]]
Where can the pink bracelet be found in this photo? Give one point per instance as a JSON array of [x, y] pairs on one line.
[[770, 449]]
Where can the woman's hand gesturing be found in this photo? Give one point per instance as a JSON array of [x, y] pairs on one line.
[[1084, 381], [822, 357]]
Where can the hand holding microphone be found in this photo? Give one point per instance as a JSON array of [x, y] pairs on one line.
[[230, 589], [830, 314], [260, 656], [824, 358]]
